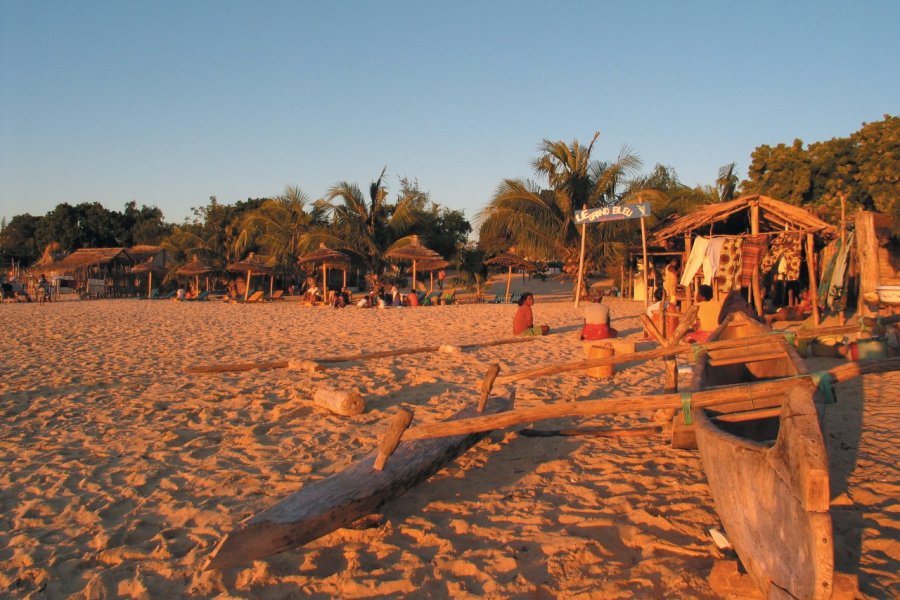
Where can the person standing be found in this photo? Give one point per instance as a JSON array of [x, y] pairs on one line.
[[523, 322], [441, 276]]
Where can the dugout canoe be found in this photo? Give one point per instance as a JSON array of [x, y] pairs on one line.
[[323, 506], [768, 469]]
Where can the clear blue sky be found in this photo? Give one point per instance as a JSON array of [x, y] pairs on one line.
[[170, 102]]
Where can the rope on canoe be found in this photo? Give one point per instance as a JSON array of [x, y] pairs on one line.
[[697, 349], [686, 408], [790, 337]]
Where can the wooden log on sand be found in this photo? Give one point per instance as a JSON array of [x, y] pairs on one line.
[[323, 506], [315, 364], [340, 402], [750, 396]]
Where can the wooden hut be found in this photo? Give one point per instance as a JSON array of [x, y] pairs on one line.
[[99, 272], [752, 215], [878, 258]]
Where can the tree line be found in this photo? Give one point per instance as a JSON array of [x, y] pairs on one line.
[[536, 216]]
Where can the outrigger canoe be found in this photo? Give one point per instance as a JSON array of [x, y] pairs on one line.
[[767, 467], [337, 501]]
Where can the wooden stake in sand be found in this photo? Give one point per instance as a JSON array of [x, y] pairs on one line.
[[398, 425]]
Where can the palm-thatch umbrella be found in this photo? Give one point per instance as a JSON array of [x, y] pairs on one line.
[[195, 269], [511, 260], [148, 267], [252, 266], [432, 265], [330, 259], [410, 248]]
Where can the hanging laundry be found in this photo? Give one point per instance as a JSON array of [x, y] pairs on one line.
[[754, 249], [695, 260], [836, 287], [711, 263], [828, 258], [786, 245], [728, 271]]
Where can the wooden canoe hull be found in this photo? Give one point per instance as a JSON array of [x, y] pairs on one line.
[[337, 501], [772, 498]]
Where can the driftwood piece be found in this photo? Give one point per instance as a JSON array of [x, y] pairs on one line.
[[749, 396], [299, 364], [487, 384], [323, 506], [341, 402], [391, 439]]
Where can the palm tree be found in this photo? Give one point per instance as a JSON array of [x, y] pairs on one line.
[[281, 228], [540, 222], [367, 227]]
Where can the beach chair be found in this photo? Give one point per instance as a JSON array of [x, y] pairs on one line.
[[421, 296], [431, 299], [514, 298], [449, 297], [256, 297], [276, 295], [200, 297], [154, 294], [167, 296]]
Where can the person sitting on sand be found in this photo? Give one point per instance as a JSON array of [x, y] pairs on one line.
[[412, 298], [597, 321], [523, 322], [798, 312], [180, 294], [364, 302]]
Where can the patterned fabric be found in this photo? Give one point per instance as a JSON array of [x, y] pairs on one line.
[[786, 245], [728, 272], [754, 249]]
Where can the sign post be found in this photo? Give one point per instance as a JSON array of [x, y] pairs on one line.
[[608, 213]]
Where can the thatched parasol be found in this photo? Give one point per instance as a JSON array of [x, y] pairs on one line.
[[252, 266], [511, 260], [194, 269], [330, 259], [432, 265], [148, 267], [410, 248]]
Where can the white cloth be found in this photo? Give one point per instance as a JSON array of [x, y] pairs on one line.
[[713, 252], [695, 260]]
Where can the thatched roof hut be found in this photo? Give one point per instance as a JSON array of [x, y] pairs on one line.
[[736, 217], [86, 258]]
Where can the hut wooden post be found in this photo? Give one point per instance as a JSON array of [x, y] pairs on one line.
[[644, 262], [688, 292], [324, 283], [247, 289], [150, 284], [271, 284], [581, 261], [414, 275], [345, 278], [811, 266], [508, 282], [754, 278]]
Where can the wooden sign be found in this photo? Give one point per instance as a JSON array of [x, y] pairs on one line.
[[612, 213]]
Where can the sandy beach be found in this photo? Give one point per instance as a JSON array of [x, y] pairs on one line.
[[120, 472]]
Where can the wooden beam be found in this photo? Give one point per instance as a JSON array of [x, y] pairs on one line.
[[746, 358]]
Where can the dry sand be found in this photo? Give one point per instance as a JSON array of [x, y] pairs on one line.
[[120, 472]]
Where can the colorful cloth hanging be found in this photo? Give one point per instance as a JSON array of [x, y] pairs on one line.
[[786, 245], [752, 252], [728, 271], [695, 260]]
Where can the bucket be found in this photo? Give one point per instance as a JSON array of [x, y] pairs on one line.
[[868, 349], [595, 350]]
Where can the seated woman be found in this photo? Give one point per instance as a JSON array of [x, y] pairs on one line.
[[597, 321], [523, 322], [412, 299], [798, 312]]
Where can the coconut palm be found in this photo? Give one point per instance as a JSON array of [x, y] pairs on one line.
[[540, 222], [367, 227], [281, 228]]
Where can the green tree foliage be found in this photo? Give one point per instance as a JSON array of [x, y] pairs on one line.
[[18, 240], [863, 168]]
